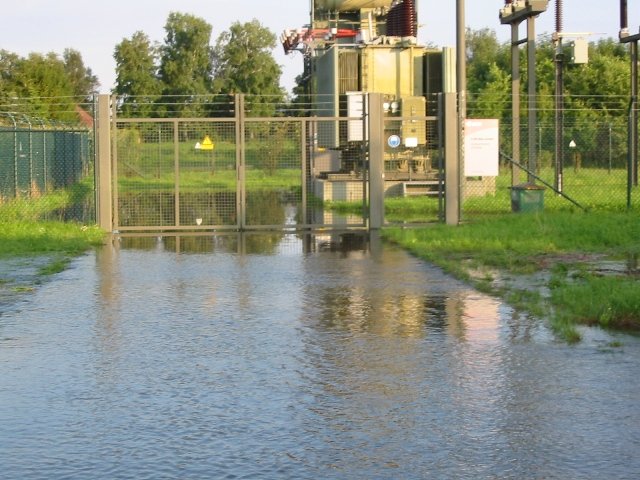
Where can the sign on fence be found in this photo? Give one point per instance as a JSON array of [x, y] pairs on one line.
[[481, 147]]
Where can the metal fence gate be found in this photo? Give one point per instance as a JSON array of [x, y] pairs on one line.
[[225, 173]]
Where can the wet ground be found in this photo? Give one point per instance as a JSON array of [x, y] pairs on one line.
[[19, 276], [299, 357], [538, 280]]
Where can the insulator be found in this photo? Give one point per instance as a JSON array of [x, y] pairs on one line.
[[559, 16], [402, 19]]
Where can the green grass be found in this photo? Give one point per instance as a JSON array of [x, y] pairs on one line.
[[57, 240], [591, 188], [33, 238], [193, 181], [142, 159], [25, 230], [601, 300], [527, 243], [42, 206]]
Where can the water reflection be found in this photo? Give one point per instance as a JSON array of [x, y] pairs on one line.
[[380, 292], [276, 207], [210, 208], [315, 355], [232, 242]]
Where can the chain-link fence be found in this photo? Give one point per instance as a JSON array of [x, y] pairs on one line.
[[306, 153], [46, 169], [587, 170]]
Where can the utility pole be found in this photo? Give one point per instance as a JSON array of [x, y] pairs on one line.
[[559, 99], [513, 13], [461, 48], [632, 154], [461, 88]]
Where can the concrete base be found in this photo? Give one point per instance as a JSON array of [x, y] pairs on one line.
[[339, 190], [355, 190]]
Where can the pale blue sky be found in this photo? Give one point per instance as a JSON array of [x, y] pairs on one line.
[[94, 28]]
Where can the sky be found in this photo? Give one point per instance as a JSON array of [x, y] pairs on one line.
[[95, 28]]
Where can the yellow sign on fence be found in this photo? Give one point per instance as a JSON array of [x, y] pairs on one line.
[[206, 144]]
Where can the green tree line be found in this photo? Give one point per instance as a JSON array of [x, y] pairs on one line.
[[173, 77], [48, 86], [601, 84], [186, 75], [181, 75]]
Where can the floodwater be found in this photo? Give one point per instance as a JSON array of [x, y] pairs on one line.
[[300, 356]]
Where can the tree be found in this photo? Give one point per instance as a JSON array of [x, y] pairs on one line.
[[83, 82], [243, 63], [42, 83], [492, 97], [185, 63], [137, 83], [300, 104], [489, 75], [8, 66], [597, 106], [483, 53], [606, 75], [46, 86]]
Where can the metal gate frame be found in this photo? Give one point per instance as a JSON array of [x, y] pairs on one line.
[[107, 170]]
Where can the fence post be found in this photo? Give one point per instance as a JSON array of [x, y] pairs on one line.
[[376, 161], [452, 164], [305, 172], [240, 159], [16, 191], [103, 166]]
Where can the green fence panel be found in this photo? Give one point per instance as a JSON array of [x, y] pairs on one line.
[[23, 162], [7, 164], [39, 184], [49, 158]]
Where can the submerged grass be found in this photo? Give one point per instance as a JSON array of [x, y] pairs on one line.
[[49, 244], [56, 266], [529, 243], [223, 180]]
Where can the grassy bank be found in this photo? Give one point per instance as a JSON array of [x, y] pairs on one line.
[[570, 248], [23, 238]]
